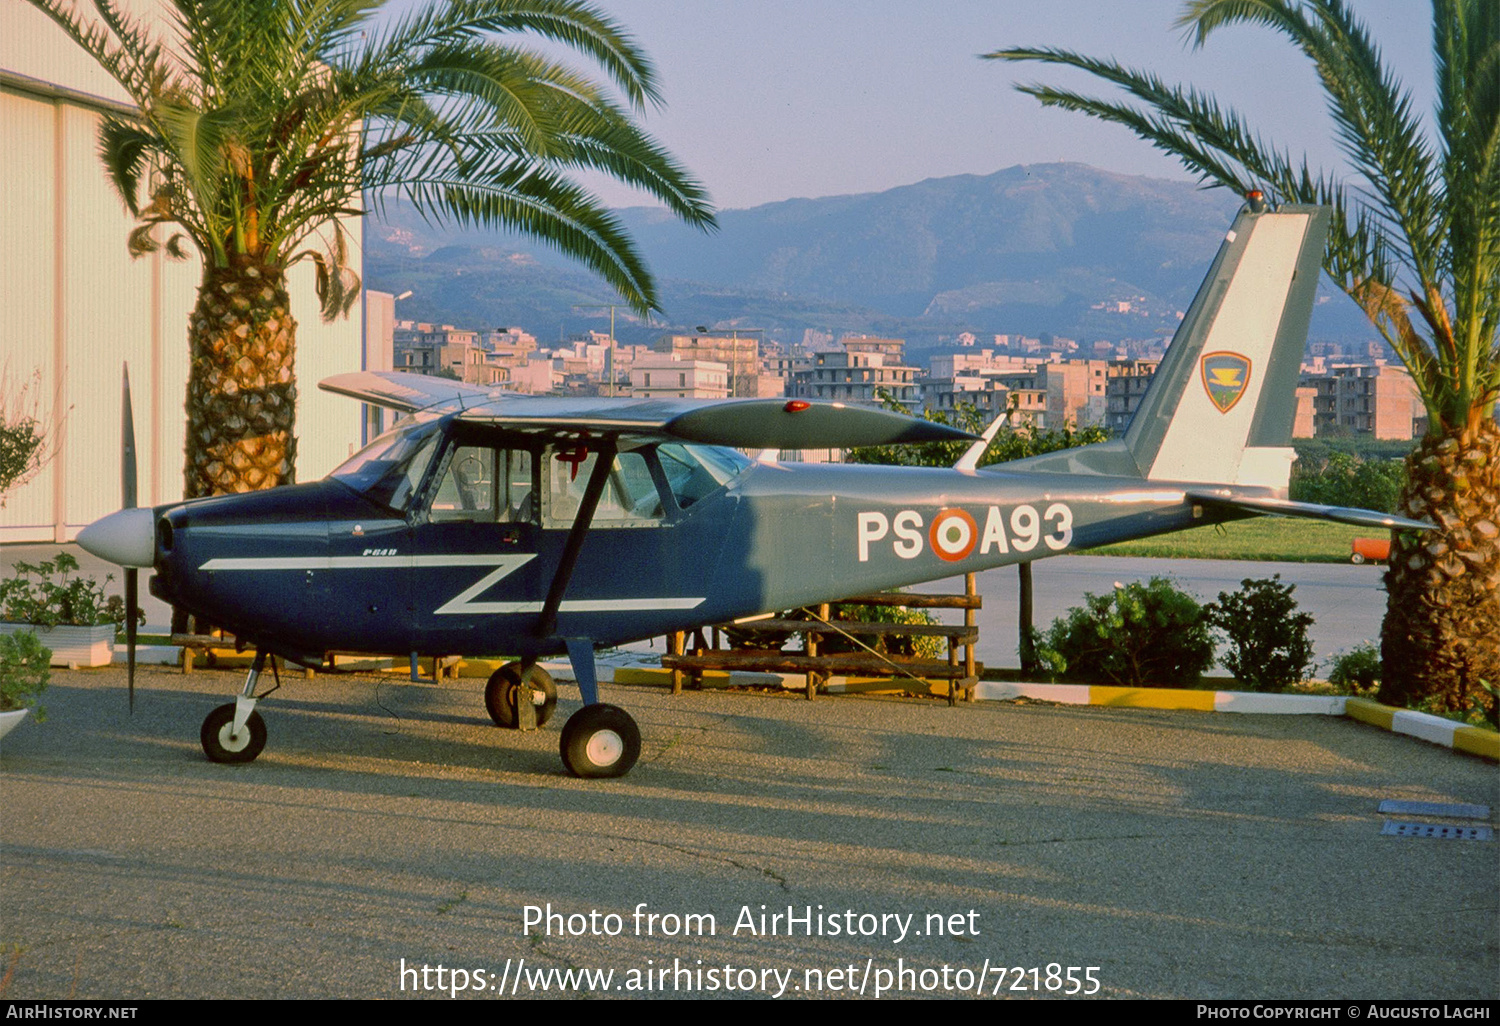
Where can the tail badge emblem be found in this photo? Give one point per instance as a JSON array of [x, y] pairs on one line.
[[1225, 377]]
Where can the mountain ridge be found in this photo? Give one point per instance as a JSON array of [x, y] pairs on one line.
[[1063, 249]]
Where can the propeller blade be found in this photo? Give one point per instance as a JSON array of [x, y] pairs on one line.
[[127, 448], [128, 501], [132, 607]]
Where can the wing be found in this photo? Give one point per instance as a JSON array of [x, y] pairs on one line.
[[743, 423], [407, 393]]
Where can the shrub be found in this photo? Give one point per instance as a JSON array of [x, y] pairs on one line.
[[54, 597], [1148, 635], [1357, 671], [1343, 479], [1268, 645], [24, 672], [888, 644]]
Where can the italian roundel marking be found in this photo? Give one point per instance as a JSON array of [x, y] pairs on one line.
[[1225, 377], [953, 535]]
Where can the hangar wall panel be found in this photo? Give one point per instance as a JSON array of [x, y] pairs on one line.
[[106, 304], [28, 269], [78, 306]]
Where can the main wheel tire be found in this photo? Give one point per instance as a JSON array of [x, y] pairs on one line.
[[500, 694], [1357, 558], [600, 741], [220, 745]]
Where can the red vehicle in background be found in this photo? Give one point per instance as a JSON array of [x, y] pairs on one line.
[[1372, 550]]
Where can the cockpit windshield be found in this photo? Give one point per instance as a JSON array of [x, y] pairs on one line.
[[390, 468]]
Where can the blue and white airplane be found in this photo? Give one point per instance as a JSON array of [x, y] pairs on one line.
[[487, 521]]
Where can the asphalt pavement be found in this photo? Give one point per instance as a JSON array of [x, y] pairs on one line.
[[389, 829]]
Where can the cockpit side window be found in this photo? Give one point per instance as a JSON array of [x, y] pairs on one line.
[[480, 484], [630, 498]]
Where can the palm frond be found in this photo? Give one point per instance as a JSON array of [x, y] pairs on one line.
[[1416, 241], [578, 26], [126, 150], [265, 122], [545, 206]]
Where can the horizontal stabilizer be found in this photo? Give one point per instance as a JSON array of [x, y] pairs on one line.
[[1311, 510]]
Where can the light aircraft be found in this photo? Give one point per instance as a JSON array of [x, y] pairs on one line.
[[489, 521]]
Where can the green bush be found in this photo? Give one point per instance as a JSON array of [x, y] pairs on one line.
[[1343, 479], [53, 597], [1141, 635], [24, 672], [1268, 645], [1357, 671]]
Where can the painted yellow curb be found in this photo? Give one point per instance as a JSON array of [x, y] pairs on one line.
[[646, 675], [480, 667], [1367, 711], [1152, 698], [641, 675], [1483, 743]]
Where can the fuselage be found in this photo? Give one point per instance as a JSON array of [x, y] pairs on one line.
[[334, 566]]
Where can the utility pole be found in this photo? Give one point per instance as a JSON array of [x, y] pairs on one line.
[[610, 357], [734, 336]]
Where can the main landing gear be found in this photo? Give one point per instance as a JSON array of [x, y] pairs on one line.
[[598, 740], [502, 692]]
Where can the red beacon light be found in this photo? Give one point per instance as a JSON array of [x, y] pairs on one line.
[[796, 406], [1257, 200]]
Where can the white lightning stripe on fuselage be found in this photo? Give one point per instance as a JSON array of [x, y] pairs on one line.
[[462, 603]]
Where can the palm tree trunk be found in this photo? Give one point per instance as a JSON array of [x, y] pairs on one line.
[[1027, 644], [1442, 628], [242, 394]]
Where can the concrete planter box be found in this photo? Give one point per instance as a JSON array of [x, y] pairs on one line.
[[72, 647], [11, 720]]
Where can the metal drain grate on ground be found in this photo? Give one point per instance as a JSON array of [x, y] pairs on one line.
[[1437, 830]]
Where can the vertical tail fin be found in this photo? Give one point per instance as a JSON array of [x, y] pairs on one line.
[[1223, 401]]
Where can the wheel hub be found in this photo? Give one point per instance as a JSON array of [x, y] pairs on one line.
[[605, 748], [231, 742]]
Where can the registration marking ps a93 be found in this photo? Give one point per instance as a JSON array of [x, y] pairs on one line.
[[954, 534]]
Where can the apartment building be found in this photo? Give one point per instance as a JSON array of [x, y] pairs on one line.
[[1377, 399], [1125, 384], [668, 376], [741, 354], [858, 374]]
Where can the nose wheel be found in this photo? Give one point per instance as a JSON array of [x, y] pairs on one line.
[[222, 743], [600, 741], [235, 732]]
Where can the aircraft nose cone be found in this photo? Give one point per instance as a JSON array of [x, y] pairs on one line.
[[127, 538]]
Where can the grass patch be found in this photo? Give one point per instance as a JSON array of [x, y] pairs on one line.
[[144, 639], [1278, 539]]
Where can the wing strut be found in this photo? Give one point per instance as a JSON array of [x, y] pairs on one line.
[[578, 648]]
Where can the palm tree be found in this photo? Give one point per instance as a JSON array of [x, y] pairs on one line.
[[262, 122], [1416, 243]]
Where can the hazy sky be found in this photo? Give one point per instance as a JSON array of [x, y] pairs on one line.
[[773, 99]]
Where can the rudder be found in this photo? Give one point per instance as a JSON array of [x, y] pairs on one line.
[[1221, 405]]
